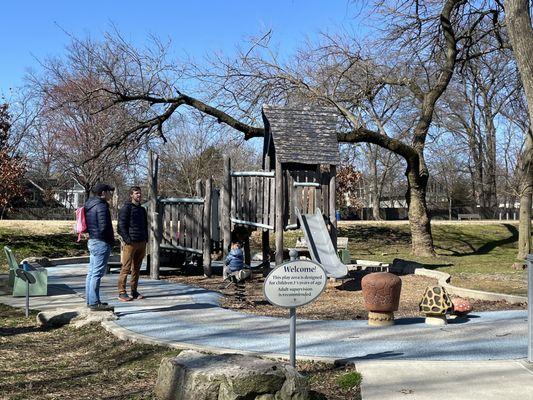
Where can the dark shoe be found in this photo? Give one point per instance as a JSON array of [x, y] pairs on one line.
[[101, 307], [124, 297], [137, 296]]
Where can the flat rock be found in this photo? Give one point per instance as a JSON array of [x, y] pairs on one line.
[[404, 266], [197, 376], [77, 317], [39, 261]]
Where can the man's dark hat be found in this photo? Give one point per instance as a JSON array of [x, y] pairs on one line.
[[102, 187]]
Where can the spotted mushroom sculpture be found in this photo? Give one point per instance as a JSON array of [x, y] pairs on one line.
[[461, 307], [435, 304], [381, 295]]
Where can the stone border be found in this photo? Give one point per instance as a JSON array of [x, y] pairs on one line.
[[444, 278], [79, 260]]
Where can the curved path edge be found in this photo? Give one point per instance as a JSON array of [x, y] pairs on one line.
[[444, 278]]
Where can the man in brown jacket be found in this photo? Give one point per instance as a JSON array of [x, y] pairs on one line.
[[133, 229]]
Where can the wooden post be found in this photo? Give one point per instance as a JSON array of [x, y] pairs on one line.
[[247, 252], [115, 202], [225, 207], [279, 213], [155, 228], [207, 229], [266, 167], [199, 191], [332, 205], [265, 234], [265, 244]]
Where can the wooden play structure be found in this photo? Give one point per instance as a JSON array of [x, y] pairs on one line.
[[300, 155]]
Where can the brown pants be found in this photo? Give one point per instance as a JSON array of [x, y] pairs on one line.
[[131, 259]]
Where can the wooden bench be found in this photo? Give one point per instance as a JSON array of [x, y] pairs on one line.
[[468, 216]]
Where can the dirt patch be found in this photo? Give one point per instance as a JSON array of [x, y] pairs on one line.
[[69, 363], [89, 363], [341, 300]]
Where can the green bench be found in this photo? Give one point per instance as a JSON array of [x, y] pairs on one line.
[[39, 288]]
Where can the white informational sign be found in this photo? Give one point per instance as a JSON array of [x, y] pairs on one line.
[[295, 283]]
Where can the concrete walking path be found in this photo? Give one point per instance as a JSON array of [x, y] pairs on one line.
[[477, 356]]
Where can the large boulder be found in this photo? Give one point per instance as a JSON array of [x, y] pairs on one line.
[[197, 376]]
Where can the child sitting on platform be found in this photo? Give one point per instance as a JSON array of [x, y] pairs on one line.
[[234, 264]]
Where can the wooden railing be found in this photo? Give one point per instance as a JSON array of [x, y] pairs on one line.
[[183, 224], [252, 198]]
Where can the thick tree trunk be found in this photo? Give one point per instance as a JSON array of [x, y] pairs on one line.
[[526, 192], [521, 35], [421, 238], [375, 209], [524, 227], [478, 178], [375, 191], [490, 160]]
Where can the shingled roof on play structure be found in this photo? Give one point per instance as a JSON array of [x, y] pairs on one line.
[[304, 134]]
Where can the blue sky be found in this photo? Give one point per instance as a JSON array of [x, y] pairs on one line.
[[32, 30]]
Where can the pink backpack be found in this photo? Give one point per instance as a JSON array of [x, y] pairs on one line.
[[81, 225]]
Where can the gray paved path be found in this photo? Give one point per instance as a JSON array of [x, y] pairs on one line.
[[182, 314], [409, 360]]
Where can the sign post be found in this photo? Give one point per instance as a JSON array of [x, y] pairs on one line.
[[291, 285], [529, 259], [30, 280]]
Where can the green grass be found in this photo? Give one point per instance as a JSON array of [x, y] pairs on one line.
[[478, 256], [350, 380], [32, 245], [51, 245], [461, 248]]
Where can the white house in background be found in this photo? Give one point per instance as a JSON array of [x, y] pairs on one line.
[[71, 197]]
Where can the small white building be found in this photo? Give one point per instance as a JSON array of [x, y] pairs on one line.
[[71, 197]]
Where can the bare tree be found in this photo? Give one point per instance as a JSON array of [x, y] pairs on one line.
[[423, 45], [448, 170], [194, 151], [475, 104], [67, 134]]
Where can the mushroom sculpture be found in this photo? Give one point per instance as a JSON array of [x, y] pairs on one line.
[[381, 295], [435, 304], [461, 307]]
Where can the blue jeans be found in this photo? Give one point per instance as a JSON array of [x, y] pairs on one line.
[[99, 252]]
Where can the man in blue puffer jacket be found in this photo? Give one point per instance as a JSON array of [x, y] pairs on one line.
[[101, 239]]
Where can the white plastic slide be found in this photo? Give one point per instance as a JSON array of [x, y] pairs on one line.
[[319, 243]]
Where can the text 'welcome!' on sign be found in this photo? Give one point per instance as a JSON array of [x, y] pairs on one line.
[[295, 283]]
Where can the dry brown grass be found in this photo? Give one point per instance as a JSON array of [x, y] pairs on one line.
[[35, 227]]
